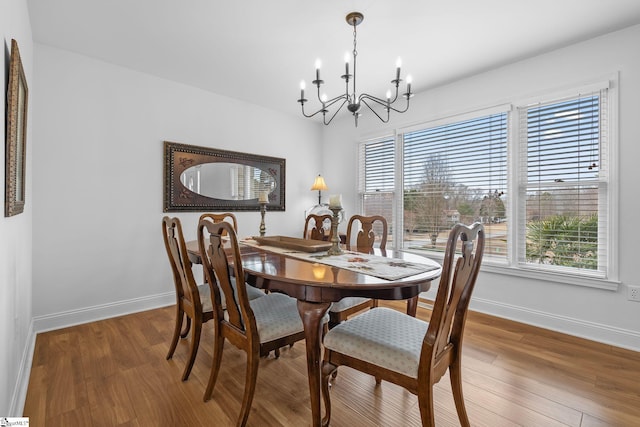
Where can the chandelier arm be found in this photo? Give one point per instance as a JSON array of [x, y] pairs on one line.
[[310, 115], [326, 104], [364, 101], [332, 101], [395, 98], [405, 108], [386, 104], [375, 99], [334, 114]]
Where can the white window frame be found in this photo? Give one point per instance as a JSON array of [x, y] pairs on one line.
[[610, 280]]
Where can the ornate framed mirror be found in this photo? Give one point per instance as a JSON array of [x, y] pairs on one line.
[[201, 179]]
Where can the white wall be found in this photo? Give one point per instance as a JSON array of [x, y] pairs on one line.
[[15, 232], [597, 314], [98, 180]]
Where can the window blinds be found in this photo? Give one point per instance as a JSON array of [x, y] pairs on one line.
[[456, 172], [563, 184]]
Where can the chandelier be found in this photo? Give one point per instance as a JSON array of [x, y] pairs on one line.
[[353, 100]]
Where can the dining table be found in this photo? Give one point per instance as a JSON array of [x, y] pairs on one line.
[[316, 285]]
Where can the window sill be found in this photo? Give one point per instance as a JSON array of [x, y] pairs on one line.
[[547, 276]]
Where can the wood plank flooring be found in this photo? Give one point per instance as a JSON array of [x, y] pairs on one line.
[[114, 373]]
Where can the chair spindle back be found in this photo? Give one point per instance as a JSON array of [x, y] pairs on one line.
[[366, 237]]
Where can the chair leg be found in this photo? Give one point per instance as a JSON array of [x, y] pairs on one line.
[[176, 331], [425, 403], [218, 347], [253, 360], [328, 370], [455, 374], [195, 343], [187, 326]]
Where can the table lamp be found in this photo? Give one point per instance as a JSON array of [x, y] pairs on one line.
[[321, 208], [319, 185]]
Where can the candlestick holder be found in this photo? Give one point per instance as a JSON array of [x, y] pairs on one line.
[[263, 210], [335, 239]]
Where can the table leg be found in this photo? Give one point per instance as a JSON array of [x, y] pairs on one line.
[[312, 314], [412, 306]]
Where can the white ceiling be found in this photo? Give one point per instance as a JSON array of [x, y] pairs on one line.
[[259, 51]]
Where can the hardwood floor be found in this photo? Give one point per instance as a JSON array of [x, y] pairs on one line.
[[114, 373]]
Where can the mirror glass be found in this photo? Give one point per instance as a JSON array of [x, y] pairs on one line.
[[206, 179], [228, 181]]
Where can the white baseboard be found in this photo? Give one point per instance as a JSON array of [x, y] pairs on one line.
[[65, 319], [16, 408], [618, 337]]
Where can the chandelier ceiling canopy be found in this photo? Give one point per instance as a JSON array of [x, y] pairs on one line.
[[350, 97]]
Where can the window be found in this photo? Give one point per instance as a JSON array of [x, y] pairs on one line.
[[563, 191], [537, 176], [456, 172], [377, 182]]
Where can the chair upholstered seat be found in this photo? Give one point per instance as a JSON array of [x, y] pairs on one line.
[[205, 297], [276, 316], [383, 337], [252, 293], [347, 302]]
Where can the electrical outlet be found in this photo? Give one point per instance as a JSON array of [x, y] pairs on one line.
[[634, 293]]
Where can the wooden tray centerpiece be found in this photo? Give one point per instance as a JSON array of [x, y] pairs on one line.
[[295, 243]]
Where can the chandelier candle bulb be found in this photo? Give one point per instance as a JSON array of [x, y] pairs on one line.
[[263, 198], [398, 65], [318, 64], [335, 201], [302, 87], [346, 65]]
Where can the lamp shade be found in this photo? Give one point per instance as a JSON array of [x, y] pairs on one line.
[[319, 184]]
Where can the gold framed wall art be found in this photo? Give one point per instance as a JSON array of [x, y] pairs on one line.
[[16, 141]]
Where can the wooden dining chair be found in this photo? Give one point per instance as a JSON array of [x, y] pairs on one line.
[[193, 302], [219, 217], [231, 219], [361, 232], [317, 227], [257, 326], [407, 351], [361, 237]]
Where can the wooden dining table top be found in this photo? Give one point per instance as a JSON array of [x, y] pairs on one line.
[[317, 282]]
